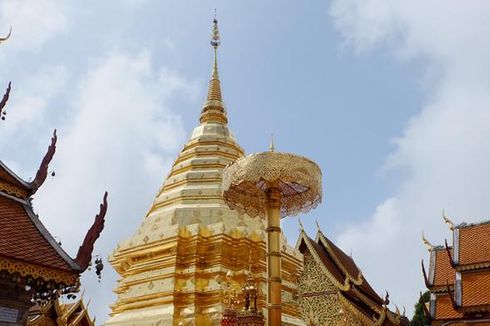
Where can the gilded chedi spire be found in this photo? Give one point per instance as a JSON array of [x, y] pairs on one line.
[[171, 268], [214, 108]]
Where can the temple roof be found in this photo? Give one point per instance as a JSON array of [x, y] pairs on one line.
[[444, 309], [26, 246], [347, 277], [23, 237], [347, 264], [441, 273], [9, 176], [324, 257], [12, 184], [459, 276], [474, 243], [475, 289], [58, 313]]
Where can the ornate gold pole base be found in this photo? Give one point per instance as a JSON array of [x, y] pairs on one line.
[[274, 257]]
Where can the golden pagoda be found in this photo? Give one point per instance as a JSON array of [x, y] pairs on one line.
[[172, 269]]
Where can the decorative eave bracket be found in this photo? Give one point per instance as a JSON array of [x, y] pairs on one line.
[[84, 254], [42, 172], [426, 279], [451, 297], [448, 251], [424, 308]]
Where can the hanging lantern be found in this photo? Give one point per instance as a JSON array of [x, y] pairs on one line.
[[99, 266]]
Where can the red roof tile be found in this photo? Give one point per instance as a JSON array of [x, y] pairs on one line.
[[443, 271], [476, 288], [474, 244], [444, 308], [21, 239]]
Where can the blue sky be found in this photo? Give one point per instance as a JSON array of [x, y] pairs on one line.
[[380, 94]]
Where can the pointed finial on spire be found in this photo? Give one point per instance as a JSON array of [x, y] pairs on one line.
[[215, 42], [447, 221], [214, 108], [318, 226], [272, 148], [302, 229], [215, 39]]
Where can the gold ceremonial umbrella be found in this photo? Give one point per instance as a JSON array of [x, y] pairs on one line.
[[273, 185]]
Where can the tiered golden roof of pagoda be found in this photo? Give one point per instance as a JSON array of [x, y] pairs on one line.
[[171, 267]]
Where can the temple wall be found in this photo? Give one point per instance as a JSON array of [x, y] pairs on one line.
[[14, 303]]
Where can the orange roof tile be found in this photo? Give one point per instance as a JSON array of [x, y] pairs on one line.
[[476, 288], [443, 270], [22, 240], [444, 308], [474, 244]]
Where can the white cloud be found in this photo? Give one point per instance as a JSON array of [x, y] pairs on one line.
[[29, 104], [444, 148], [120, 136], [33, 22]]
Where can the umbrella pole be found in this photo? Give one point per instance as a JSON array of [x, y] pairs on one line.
[[274, 257]]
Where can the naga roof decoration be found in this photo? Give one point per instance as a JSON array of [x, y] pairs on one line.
[[84, 254], [5, 97], [42, 172], [16, 186], [353, 291], [27, 250], [459, 275], [4, 100]]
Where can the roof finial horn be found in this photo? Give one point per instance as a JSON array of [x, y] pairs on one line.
[[302, 229], [318, 226], [2, 39], [447, 221], [426, 242]]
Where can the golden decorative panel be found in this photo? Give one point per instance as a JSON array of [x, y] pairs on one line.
[[318, 299], [13, 190], [29, 270]]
